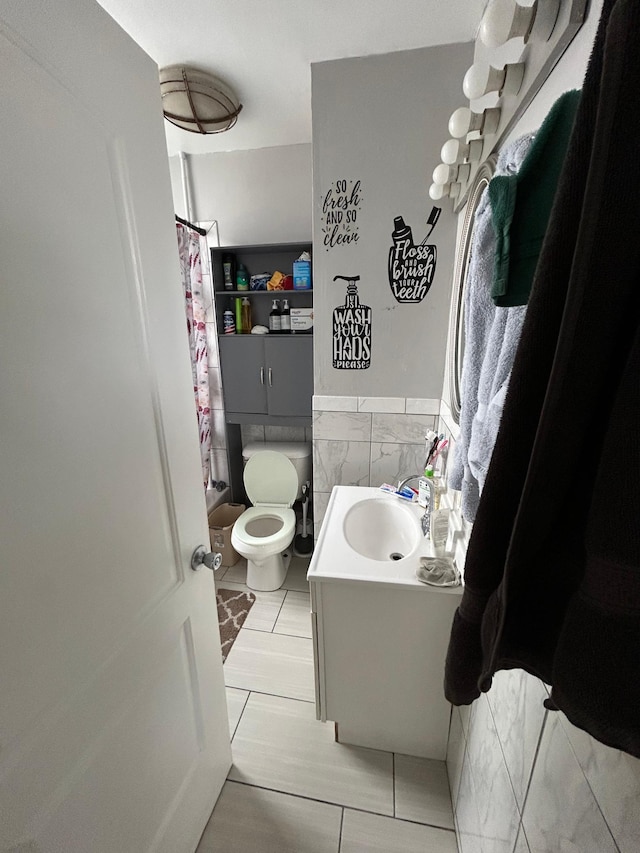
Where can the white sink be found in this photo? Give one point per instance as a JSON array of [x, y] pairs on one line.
[[381, 529], [370, 535]]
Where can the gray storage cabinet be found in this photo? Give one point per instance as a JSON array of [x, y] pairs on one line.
[[266, 375]]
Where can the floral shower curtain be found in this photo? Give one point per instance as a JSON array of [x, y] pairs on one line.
[[191, 273]]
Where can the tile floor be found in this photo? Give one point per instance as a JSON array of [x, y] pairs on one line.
[[292, 788]]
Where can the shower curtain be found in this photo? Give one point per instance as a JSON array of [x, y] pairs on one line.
[[191, 274]]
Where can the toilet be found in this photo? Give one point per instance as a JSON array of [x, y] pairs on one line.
[[273, 477]]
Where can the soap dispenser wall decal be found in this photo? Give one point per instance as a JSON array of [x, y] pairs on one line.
[[351, 329], [411, 267]]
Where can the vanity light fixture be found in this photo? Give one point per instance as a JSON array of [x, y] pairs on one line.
[[445, 174], [481, 79], [504, 20], [455, 151], [464, 120]]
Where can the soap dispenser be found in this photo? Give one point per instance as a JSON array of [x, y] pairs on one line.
[[274, 317], [285, 317]]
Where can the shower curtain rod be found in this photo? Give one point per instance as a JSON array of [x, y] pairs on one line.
[[200, 231]]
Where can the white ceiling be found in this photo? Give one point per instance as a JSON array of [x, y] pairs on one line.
[[263, 49]]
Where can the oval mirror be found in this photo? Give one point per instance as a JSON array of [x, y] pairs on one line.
[[463, 256]]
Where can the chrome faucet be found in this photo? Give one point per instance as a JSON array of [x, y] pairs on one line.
[[426, 518]]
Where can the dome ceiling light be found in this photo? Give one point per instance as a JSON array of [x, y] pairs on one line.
[[197, 101]]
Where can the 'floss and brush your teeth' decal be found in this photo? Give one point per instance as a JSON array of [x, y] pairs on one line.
[[411, 267]]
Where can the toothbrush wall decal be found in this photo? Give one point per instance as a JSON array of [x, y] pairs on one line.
[[411, 267], [351, 329]]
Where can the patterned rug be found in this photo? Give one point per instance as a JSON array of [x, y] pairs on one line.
[[233, 609]]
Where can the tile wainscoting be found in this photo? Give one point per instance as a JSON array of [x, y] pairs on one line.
[[367, 441], [525, 780]]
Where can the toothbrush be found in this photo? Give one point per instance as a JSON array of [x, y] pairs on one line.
[[441, 446]]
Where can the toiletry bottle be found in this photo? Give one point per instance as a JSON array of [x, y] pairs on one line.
[[436, 487], [351, 330], [228, 271], [285, 318], [238, 302], [246, 316], [274, 317], [242, 278], [229, 322]]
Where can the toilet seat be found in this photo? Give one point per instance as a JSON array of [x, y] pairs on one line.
[[271, 542]]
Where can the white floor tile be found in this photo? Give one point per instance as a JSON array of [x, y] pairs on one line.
[[422, 791], [236, 700], [252, 820], [296, 578], [271, 663], [280, 745], [369, 833], [265, 609], [237, 573], [295, 615]]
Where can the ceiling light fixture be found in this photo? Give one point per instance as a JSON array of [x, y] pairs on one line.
[[197, 101]]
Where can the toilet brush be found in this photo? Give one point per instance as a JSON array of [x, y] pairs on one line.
[[303, 541]]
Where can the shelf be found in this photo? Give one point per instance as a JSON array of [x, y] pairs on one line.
[[274, 294], [279, 335]]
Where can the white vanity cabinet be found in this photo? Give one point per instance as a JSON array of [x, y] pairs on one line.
[[379, 639]]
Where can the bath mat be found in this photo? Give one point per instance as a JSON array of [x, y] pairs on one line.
[[233, 609]]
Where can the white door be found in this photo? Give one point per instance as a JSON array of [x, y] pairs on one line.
[[113, 725]]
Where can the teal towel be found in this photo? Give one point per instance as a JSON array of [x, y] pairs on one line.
[[521, 205]]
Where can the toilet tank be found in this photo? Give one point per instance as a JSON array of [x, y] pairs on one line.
[[298, 452]]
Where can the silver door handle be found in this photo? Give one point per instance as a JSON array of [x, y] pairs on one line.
[[203, 557], [270, 377], [262, 375]]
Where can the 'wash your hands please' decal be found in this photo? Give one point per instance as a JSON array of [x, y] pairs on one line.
[[351, 329], [411, 267], [339, 218]]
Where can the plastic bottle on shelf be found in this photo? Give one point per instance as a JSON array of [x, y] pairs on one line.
[[238, 302], [285, 318], [242, 278], [229, 322], [228, 271], [274, 317], [246, 316]]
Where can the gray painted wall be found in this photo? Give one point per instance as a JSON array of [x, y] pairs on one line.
[[258, 196], [382, 120]]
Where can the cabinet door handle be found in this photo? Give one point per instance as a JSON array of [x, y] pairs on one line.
[[270, 377], [262, 375]]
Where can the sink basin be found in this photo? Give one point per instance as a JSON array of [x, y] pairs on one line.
[[381, 529]]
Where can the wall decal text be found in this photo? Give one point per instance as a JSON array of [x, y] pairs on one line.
[[351, 330], [411, 267], [340, 206]]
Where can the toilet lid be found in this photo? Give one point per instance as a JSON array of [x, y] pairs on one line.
[[270, 479]]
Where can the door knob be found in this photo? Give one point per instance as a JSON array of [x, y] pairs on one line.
[[202, 557]]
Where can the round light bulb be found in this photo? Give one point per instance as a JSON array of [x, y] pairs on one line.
[[438, 191], [481, 79], [460, 122], [443, 174], [452, 151], [504, 20]]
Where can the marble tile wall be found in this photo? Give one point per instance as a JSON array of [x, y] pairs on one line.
[[367, 441], [524, 779]]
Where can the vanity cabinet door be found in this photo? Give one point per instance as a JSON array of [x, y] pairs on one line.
[[289, 363], [244, 377]]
